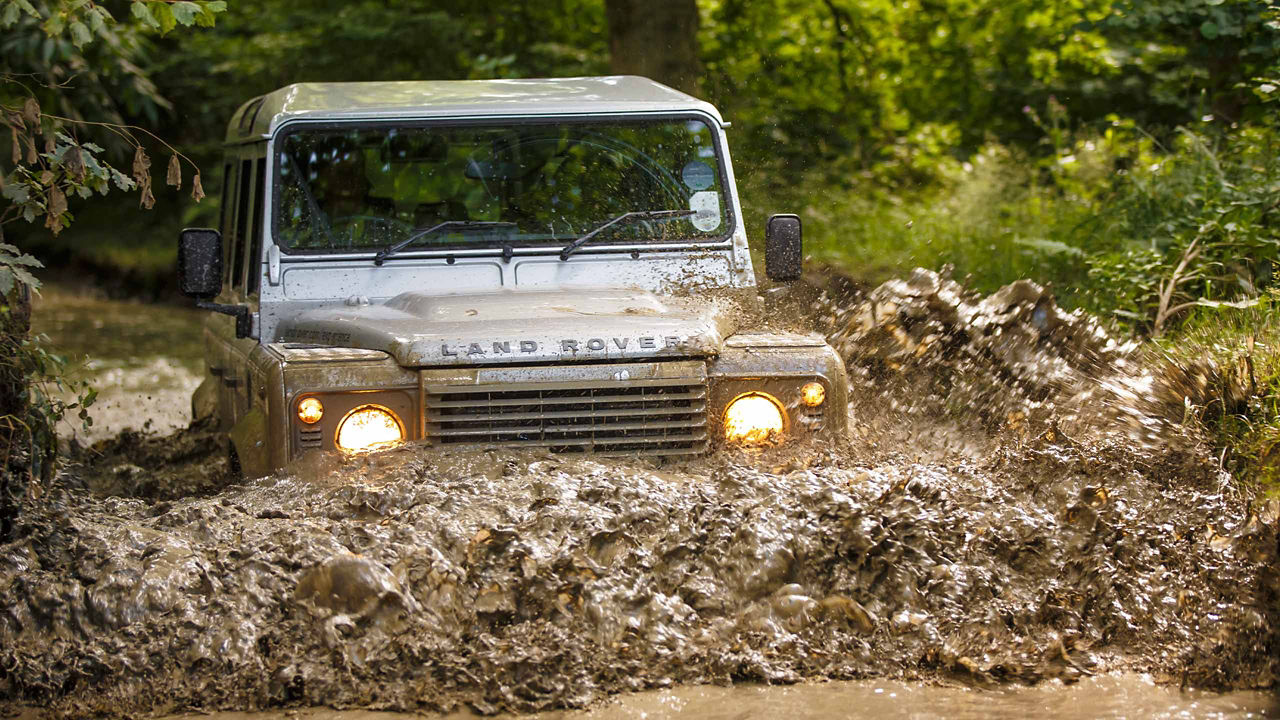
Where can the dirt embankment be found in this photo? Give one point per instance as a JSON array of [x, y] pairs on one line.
[[997, 515]]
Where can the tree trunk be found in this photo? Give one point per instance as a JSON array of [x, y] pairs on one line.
[[657, 39]]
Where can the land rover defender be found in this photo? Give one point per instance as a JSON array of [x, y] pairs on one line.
[[557, 264]]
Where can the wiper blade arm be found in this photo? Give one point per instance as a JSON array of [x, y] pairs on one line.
[[572, 247], [446, 225]]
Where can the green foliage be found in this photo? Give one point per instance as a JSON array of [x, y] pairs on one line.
[[34, 379], [16, 267], [1199, 225], [1186, 58]]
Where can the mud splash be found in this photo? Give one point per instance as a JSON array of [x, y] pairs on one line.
[[415, 579]]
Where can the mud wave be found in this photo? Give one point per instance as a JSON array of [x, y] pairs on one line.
[[416, 579]]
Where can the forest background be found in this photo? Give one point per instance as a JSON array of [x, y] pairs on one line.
[[1123, 151]]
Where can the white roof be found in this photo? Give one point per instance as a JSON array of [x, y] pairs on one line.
[[458, 98]]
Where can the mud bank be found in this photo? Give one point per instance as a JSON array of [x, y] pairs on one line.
[[976, 527]]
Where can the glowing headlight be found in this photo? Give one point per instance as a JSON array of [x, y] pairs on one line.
[[813, 394], [369, 427], [753, 419], [310, 410]]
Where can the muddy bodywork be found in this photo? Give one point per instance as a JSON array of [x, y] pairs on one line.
[[648, 335]]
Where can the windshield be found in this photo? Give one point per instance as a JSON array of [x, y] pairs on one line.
[[370, 187]]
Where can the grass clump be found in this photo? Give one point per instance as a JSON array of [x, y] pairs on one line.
[[1239, 406]]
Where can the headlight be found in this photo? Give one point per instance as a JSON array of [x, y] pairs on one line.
[[754, 419], [369, 427]]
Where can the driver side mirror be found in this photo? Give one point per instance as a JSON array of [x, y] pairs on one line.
[[200, 274], [783, 248], [200, 263]]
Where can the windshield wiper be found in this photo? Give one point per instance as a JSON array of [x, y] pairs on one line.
[[572, 247], [446, 225]]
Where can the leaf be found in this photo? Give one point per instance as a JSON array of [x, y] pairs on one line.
[[1209, 29], [1219, 304], [122, 181], [22, 259], [31, 114], [163, 14], [173, 177], [197, 189], [98, 17], [73, 162], [141, 164], [57, 201], [143, 14], [10, 15], [17, 192], [25, 277], [185, 12], [54, 24], [207, 12], [6, 280], [1050, 247], [142, 175], [32, 156], [80, 35], [17, 146]]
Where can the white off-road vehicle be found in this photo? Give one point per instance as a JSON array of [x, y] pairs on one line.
[[555, 264]]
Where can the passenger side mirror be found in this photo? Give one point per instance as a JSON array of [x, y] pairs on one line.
[[783, 248], [200, 263]]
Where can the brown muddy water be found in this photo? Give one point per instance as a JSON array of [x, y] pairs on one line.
[[1019, 523]]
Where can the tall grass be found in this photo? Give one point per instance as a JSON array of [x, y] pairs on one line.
[[1241, 407]]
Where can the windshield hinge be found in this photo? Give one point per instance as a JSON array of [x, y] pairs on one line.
[[273, 264]]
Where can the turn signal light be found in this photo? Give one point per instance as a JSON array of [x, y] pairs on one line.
[[310, 410], [813, 394]]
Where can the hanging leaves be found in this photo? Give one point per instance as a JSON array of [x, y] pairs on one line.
[[73, 163], [173, 178], [197, 190], [31, 114], [57, 206], [142, 176]]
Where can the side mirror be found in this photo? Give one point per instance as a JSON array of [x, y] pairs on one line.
[[783, 248], [200, 274], [200, 263]]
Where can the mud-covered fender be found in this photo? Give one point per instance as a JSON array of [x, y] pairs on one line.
[[204, 401], [248, 437]]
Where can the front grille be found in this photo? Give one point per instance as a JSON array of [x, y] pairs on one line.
[[658, 409]]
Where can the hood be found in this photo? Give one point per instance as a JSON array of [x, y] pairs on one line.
[[520, 326]]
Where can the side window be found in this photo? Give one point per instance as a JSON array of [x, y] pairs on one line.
[[243, 189], [228, 219], [255, 238]]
